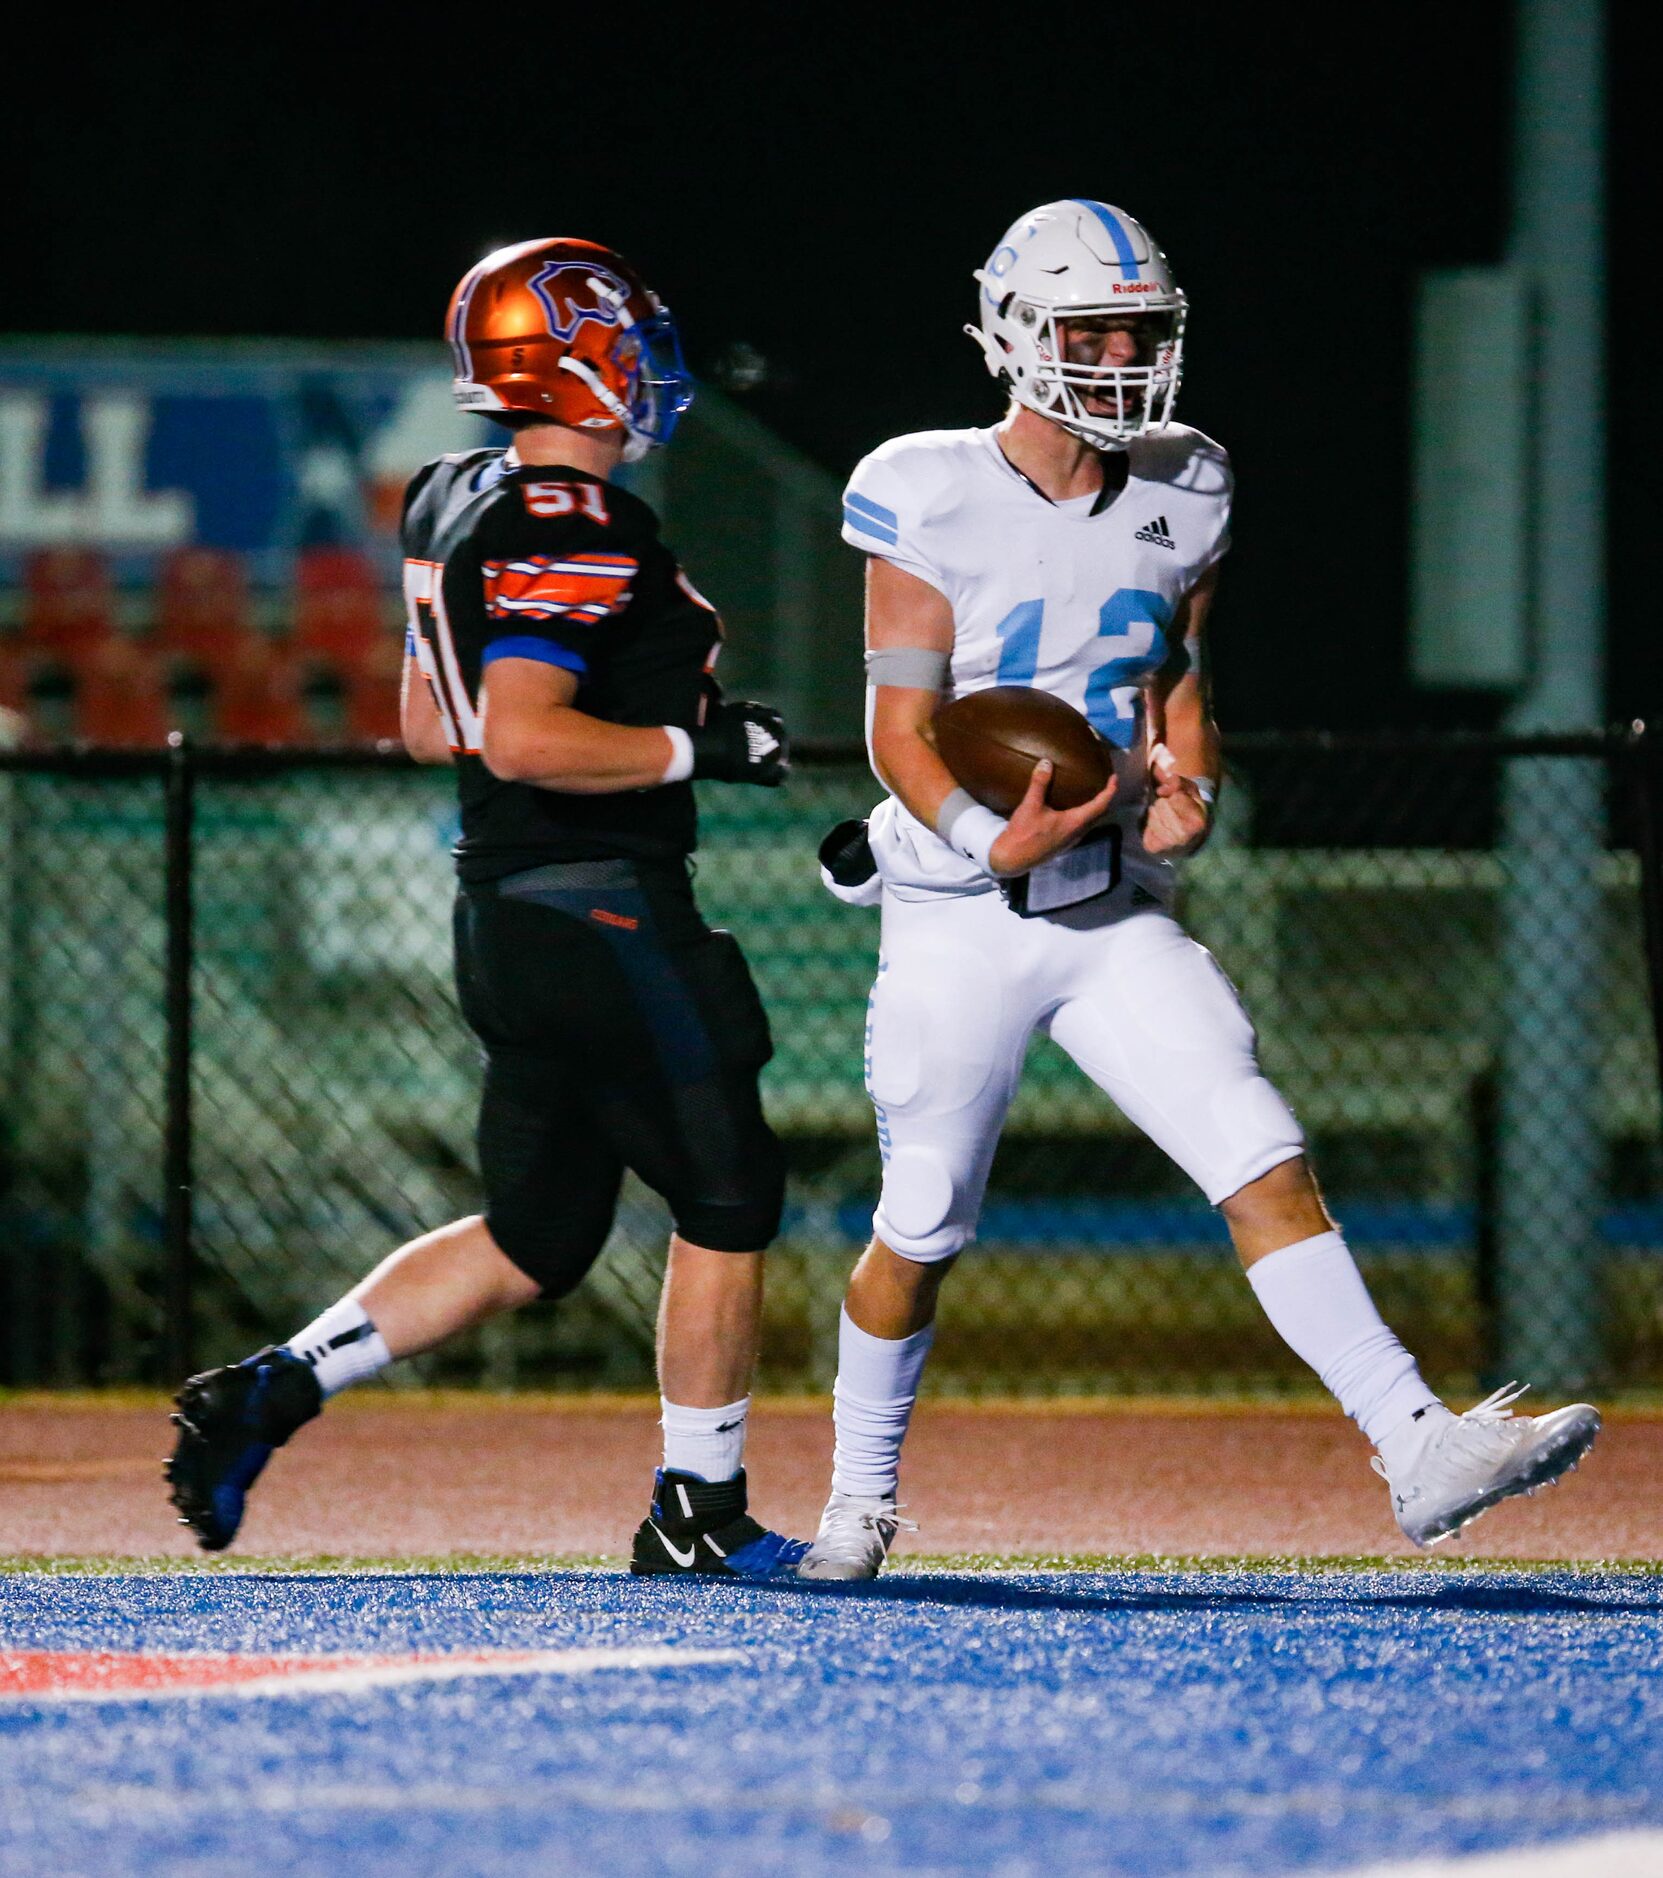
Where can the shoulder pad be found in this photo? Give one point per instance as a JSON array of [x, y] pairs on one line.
[[1186, 458]]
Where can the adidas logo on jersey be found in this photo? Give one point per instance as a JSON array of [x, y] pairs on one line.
[[1156, 532]]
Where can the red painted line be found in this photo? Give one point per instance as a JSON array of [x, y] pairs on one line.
[[136, 1675], [55, 1672]]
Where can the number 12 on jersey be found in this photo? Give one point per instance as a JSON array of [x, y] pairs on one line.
[[1131, 626], [435, 650]]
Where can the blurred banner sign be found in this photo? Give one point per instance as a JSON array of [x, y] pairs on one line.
[[262, 448], [259, 448]]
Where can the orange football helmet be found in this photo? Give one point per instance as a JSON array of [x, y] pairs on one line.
[[569, 331]]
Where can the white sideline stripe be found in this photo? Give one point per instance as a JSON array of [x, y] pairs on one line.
[[1608, 1855], [395, 1675]]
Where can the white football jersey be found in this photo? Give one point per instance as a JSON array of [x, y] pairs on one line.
[[1076, 597]]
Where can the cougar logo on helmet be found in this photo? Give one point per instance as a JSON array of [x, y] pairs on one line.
[[586, 293], [568, 331]]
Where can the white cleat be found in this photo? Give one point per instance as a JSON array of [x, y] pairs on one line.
[[854, 1538], [1472, 1461]]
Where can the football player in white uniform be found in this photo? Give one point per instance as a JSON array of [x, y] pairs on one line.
[[1075, 547]]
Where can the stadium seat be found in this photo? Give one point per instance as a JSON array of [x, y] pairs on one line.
[[202, 610], [14, 675], [256, 696], [68, 606], [339, 609], [15, 723], [120, 696], [372, 694]]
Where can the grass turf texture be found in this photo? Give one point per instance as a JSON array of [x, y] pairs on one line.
[[1152, 1721]]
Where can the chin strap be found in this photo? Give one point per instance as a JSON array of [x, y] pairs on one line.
[[995, 358], [593, 380]]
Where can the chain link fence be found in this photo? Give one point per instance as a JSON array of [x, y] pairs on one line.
[[1442, 943]]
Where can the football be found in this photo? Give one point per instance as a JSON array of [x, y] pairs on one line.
[[992, 739]]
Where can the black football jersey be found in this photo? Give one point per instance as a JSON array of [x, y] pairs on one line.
[[544, 562]]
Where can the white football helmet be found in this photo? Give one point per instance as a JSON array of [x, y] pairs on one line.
[[1073, 260]]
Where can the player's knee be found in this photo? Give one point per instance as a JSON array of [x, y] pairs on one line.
[[747, 1216], [750, 1227], [1284, 1193], [555, 1254], [919, 1216], [1253, 1132]]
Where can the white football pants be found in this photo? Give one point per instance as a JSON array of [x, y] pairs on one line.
[[963, 983]]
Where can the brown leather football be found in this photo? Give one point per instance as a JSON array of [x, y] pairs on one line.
[[992, 739]]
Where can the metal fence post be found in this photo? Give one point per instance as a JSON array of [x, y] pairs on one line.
[[1552, 1141], [179, 1337], [1646, 760]]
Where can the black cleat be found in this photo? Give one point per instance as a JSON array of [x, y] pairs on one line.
[[229, 1422], [698, 1528]]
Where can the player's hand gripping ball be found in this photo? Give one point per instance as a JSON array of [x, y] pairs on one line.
[[992, 739]]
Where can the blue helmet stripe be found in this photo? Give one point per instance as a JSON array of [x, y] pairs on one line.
[[1117, 234]]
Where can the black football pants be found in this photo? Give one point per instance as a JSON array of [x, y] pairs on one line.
[[619, 1031]]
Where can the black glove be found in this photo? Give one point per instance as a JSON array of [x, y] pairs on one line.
[[846, 854], [741, 742]]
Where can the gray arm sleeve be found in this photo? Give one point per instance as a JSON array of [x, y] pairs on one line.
[[913, 668]]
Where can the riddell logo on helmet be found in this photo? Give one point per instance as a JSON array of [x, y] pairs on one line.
[[559, 286], [1136, 286]]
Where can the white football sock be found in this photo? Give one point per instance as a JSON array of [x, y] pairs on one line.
[[709, 1442], [877, 1384], [1315, 1296], [342, 1346]]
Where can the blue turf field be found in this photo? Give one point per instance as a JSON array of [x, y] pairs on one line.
[[1127, 1722]]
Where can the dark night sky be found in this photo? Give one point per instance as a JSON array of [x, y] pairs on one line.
[[823, 193]]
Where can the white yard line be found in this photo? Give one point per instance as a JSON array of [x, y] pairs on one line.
[[1608, 1855]]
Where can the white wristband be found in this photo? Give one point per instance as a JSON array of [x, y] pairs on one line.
[[970, 829], [681, 754]]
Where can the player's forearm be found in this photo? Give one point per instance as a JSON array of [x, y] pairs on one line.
[[1197, 749], [1187, 729], [575, 754], [418, 719], [427, 747], [911, 770]]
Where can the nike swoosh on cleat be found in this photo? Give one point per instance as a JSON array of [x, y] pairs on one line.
[[692, 1550]]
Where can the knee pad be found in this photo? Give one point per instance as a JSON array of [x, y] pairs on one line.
[[915, 1215]]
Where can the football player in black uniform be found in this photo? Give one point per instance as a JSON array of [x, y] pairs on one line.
[[559, 657]]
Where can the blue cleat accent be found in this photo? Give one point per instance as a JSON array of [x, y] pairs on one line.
[[771, 1556], [230, 1422]]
